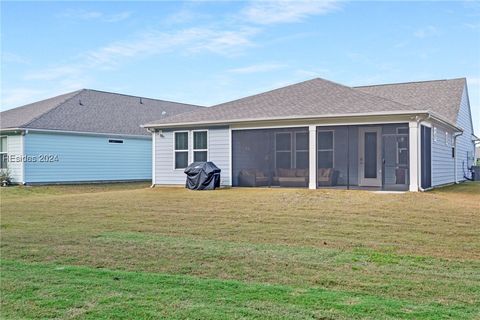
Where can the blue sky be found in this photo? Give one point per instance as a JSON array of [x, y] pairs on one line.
[[206, 52]]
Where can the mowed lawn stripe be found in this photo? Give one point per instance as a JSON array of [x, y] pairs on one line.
[[39, 290], [360, 269]]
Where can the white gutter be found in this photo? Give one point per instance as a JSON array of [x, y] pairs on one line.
[[305, 118], [76, 132]]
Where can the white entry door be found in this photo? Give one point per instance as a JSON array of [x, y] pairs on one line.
[[369, 157]]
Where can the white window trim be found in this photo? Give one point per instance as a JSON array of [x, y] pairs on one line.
[[435, 134], [284, 151], [6, 150], [200, 150], [447, 139], [181, 150], [333, 146]]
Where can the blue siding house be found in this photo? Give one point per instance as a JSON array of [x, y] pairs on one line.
[[83, 136], [319, 134]]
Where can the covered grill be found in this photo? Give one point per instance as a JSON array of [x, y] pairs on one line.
[[202, 176]]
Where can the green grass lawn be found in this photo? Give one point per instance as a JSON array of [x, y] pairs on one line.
[[126, 251]]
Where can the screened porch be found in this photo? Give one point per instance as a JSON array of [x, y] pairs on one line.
[[349, 157]]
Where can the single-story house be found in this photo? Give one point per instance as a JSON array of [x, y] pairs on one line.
[[82, 136], [316, 134]]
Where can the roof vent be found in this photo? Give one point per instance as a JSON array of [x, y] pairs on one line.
[[141, 100], [80, 102], [164, 113]]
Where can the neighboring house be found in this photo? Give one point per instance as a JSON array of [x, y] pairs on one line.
[[82, 136], [405, 136]]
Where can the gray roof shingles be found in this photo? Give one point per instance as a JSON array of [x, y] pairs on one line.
[[103, 112], [92, 111], [440, 96], [312, 98], [319, 97]]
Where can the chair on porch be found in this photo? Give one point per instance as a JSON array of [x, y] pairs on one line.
[[326, 177]]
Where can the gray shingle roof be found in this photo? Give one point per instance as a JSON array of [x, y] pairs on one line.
[[312, 98], [440, 96], [92, 111]]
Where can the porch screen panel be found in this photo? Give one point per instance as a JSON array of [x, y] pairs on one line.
[[333, 150], [270, 157], [395, 155], [342, 163]]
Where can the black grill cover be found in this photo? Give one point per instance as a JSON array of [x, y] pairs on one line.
[[202, 176]]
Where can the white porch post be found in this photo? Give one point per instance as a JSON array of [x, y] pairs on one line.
[[413, 136], [312, 151]]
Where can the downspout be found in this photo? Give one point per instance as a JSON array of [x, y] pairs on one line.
[[455, 135]]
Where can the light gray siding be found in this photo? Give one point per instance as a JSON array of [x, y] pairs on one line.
[[443, 171], [15, 151], [465, 146], [443, 164], [165, 173], [218, 153], [75, 158]]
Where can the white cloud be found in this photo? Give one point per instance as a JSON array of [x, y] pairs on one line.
[[317, 73], [13, 58], [256, 68], [473, 81], [428, 31], [117, 16], [473, 26], [95, 15], [188, 41], [19, 96], [285, 11], [53, 73]]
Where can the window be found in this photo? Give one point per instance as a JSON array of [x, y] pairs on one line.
[[283, 150], [200, 146], [325, 149], [402, 146], [115, 141], [301, 150], [181, 149], [3, 153]]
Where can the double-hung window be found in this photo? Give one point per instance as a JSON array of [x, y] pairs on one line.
[[325, 149], [301, 150], [200, 146], [3, 153], [283, 150], [181, 149], [402, 146]]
